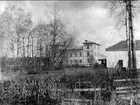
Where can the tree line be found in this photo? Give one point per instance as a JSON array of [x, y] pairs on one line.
[[22, 38]]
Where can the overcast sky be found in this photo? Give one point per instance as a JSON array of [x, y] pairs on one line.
[[90, 18]]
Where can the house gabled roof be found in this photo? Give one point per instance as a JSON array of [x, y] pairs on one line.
[[122, 46]]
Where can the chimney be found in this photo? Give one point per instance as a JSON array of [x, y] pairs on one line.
[[85, 40]]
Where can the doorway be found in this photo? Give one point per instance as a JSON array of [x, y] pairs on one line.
[[120, 63]]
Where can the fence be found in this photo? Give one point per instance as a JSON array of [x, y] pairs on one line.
[[30, 90], [77, 102], [44, 88]]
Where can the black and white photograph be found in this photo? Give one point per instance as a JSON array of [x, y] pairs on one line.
[[72, 52]]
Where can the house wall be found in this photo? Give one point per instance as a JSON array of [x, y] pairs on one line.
[[93, 50], [138, 58], [71, 60], [85, 50], [114, 56]]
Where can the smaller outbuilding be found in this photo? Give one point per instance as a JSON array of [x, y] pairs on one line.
[[117, 55]]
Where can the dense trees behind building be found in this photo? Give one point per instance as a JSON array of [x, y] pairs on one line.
[[28, 45]]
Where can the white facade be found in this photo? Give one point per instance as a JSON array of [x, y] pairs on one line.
[[114, 56], [118, 53], [138, 58], [82, 56]]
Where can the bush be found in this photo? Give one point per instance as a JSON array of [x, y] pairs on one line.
[[30, 90], [96, 65]]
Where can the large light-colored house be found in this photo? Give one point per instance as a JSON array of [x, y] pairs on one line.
[[118, 55], [85, 55]]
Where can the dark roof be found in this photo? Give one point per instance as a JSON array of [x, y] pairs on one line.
[[122, 46], [89, 42]]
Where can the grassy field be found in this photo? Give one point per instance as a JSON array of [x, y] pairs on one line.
[[74, 71]]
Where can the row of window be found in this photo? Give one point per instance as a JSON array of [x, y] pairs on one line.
[[95, 47], [78, 61], [80, 54], [75, 61], [95, 54], [76, 54]]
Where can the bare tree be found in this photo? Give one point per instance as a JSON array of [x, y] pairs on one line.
[[124, 11], [16, 24], [60, 40]]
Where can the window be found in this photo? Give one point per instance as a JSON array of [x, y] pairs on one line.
[[87, 54], [97, 47], [87, 46], [97, 54], [94, 46], [80, 61], [75, 61], [75, 54], [88, 60], [70, 54], [71, 61], [80, 54]]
